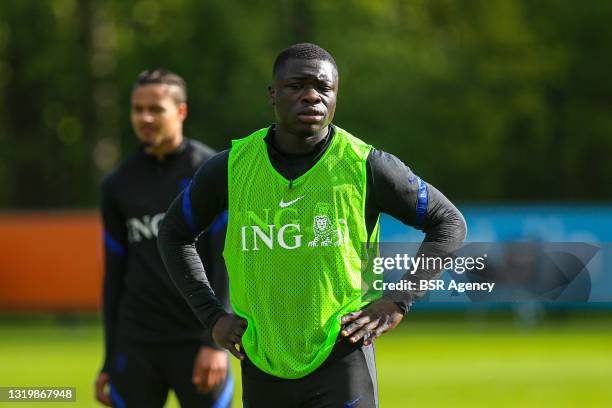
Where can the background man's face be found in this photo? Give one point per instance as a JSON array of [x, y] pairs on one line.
[[157, 117], [304, 96]]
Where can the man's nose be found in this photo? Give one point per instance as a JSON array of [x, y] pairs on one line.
[[311, 95], [146, 117]]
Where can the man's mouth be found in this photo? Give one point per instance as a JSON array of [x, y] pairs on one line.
[[146, 130], [311, 116]]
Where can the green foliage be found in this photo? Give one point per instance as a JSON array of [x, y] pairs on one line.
[[488, 100]]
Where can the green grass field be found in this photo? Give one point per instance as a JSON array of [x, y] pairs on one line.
[[425, 362]]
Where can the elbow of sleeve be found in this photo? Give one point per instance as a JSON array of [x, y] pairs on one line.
[[461, 227]]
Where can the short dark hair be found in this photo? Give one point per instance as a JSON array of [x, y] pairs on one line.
[[302, 51], [162, 76]]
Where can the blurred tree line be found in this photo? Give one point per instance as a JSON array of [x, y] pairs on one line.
[[496, 101]]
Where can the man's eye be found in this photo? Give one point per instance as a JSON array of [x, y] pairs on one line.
[[294, 86]]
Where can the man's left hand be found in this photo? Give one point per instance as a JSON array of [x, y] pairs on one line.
[[369, 323], [209, 368]]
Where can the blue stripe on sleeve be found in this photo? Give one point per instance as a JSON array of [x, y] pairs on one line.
[[118, 402], [219, 223], [187, 213], [226, 395], [113, 245], [422, 201]]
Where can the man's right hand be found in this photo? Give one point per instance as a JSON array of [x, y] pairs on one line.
[[227, 333], [101, 394]]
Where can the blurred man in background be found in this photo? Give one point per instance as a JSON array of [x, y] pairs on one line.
[[303, 197], [154, 342]]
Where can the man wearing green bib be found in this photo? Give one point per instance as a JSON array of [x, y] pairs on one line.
[[303, 197]]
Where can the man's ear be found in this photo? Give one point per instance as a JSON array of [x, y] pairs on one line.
[[182, 110], [272, 95]]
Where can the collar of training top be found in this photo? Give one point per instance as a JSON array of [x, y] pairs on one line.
[[269, 139], [176, 152]]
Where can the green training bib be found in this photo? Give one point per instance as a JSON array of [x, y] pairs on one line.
[[293, 251]]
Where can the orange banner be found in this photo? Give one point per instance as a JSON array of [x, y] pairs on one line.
[[50, 261]]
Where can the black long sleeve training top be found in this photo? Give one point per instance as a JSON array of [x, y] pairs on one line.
[[140, 302], [392, 188]]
